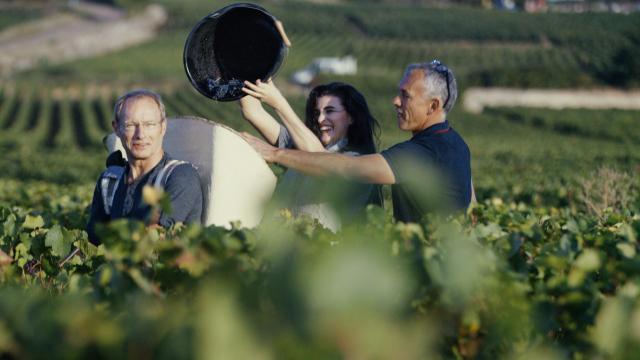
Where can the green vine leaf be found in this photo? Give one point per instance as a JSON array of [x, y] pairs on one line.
[[33, 222], [59, 244]]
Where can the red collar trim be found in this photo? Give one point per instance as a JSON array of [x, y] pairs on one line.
[[442, 131]]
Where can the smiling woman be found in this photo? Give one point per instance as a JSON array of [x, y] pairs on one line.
[[332, 119], [337, 119], [343, 108]]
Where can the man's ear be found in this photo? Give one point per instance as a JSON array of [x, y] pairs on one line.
[[114, 126], [434, 105], [164, 125]]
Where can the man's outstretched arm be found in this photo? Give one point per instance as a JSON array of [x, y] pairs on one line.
[[366, 168]]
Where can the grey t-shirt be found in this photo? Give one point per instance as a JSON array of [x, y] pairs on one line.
[[183, 187]]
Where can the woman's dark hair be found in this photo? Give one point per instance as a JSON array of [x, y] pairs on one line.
[[364, 132]]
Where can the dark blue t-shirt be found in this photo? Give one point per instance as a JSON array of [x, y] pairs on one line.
[[183, 187], [432, 171]]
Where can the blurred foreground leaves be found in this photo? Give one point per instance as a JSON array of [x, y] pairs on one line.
[[505, 280]]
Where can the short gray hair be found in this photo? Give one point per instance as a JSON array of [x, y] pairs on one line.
[[119, 108], [439, 82]]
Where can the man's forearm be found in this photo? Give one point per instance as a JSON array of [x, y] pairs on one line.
[[366, 168], [371, 168], [313, 163]]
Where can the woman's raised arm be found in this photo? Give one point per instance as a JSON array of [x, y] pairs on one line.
[[302, 136], [261, 120]]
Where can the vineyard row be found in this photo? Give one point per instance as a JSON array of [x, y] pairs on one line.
[[71, 122]]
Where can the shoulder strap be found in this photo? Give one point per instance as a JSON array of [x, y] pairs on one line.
[[163, 175], [109, 181]]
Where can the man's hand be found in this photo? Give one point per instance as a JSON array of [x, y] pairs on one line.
[[267, 92], [267, 151], [370, 168]]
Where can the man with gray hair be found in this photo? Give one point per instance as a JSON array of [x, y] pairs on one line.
[[140, 123], [435, 161]]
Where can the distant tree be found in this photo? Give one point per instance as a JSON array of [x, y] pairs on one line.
[[625, 71]]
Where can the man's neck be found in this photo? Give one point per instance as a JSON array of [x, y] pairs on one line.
[[432, 120], [138, 168]]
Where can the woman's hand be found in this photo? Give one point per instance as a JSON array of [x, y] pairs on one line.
[[267, 92]]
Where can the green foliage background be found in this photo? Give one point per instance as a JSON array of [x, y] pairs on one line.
[[529, 272]]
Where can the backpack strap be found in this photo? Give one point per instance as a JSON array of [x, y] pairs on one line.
[[109, 181], [163, 175]]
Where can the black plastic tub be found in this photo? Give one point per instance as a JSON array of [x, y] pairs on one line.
[[236, 43]]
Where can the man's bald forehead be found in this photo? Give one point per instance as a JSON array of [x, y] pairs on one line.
[[132, 97]]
